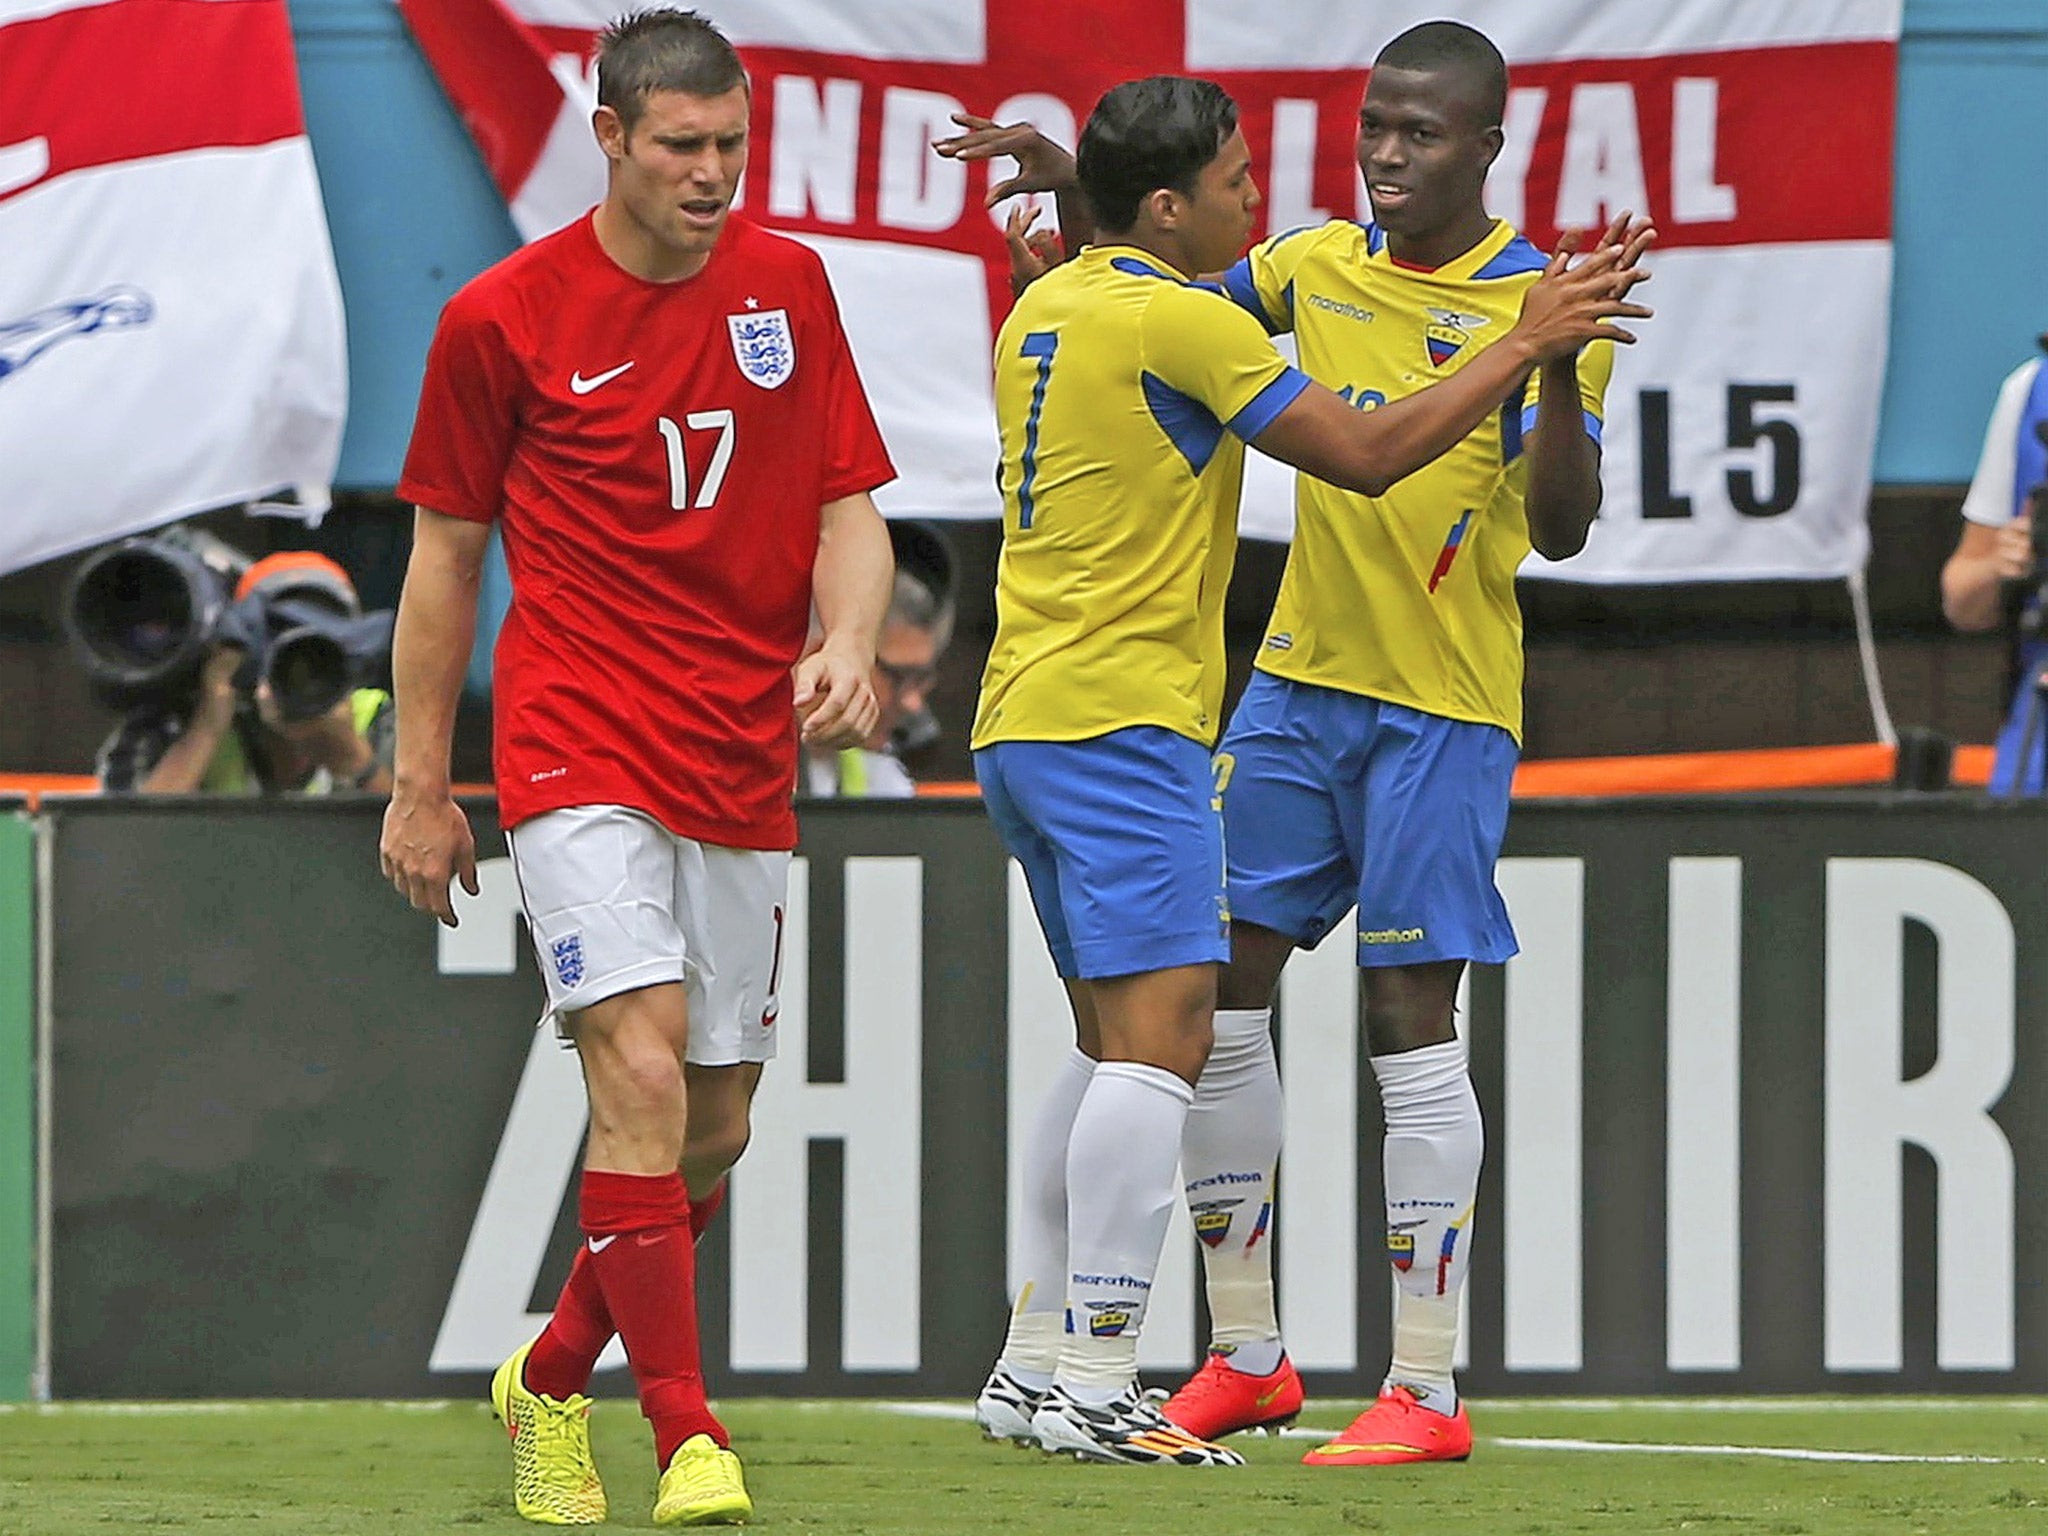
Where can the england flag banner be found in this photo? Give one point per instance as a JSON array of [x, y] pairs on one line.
[[170, 321], [1758, 135]]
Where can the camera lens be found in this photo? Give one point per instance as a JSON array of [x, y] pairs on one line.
[[308, 672], [141, 613]]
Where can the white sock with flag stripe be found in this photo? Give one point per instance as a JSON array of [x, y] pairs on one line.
[[1038, 1313], [1227, 1155], [1123, 1159], [1434, 1147]]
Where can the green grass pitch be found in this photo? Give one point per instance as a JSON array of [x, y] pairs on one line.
[[861, 1469]]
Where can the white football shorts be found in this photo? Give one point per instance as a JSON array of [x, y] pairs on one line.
[[616, 901]]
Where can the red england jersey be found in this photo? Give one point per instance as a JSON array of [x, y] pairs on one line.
[[657, 453]]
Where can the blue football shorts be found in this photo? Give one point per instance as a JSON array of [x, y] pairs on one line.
[[1333, 800], [1121, 839]]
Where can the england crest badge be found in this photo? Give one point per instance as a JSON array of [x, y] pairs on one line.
[[763, 346]]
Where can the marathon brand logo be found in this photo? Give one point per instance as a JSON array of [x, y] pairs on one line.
[[1339, 307], [1125, 1282], [1221, 1178], [1390, 935]]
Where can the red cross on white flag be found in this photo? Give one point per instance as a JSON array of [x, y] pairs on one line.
[[170, 321], [1740, 431]]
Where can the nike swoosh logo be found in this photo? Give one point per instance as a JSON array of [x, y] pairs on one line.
[[579, 385], [1264, 1399], [599, 1244]]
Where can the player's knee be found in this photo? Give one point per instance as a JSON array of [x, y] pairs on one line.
[[1408, 1007], [1407, 1023], [1252, 974], [1182, 1041], [633, 1077], [714, 1145], [1241, 987]]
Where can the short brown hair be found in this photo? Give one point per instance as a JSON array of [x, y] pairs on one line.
[[663, 50]]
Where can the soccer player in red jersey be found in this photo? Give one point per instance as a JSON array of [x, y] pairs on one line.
[[658, 407]]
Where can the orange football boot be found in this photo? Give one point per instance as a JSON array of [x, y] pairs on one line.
[[1218, 1400], [1396, 1429]]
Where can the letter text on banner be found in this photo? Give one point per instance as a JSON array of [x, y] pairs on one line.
[[1872, 1116], [875, 1112], [1773, 271], [1542, 1137]]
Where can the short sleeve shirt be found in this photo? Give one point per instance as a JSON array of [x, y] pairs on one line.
[[1124, 396], [1409, 596], [1990, 500], [656, 455]]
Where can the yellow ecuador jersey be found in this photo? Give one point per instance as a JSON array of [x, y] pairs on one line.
[[1124, 396], [1410, 596]]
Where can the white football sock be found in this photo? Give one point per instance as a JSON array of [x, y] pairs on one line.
[[1038, 1314], [1227, 1154], [1434, 1147], [1123, 1159]]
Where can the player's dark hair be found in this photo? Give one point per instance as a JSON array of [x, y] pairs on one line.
[[1148, 134], [662, 50], [1452, 48]]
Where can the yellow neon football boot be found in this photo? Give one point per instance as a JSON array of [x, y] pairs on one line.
[[702, 1486], [554, 1479]]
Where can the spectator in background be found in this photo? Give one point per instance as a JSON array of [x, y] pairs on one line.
[[228, 736], [914, 636], [1991, 577]]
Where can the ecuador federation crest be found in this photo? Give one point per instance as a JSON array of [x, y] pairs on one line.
[[1449, 332], [763, 346]]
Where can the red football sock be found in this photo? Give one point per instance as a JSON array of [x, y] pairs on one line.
[[566, 1352], [702, 1211], [639, 1245]]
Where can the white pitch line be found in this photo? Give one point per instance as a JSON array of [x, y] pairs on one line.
[[1766, 1452], [961, 1411], [910, 1410], [1487, 1407]]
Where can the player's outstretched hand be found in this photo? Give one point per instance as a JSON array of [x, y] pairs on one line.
[[835, 698], [1628, 234], [1042, 166], [1577, 302], [1033, 252], [426, 844]]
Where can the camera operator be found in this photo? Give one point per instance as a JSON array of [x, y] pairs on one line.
[[226, 734], [1995, 574]]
